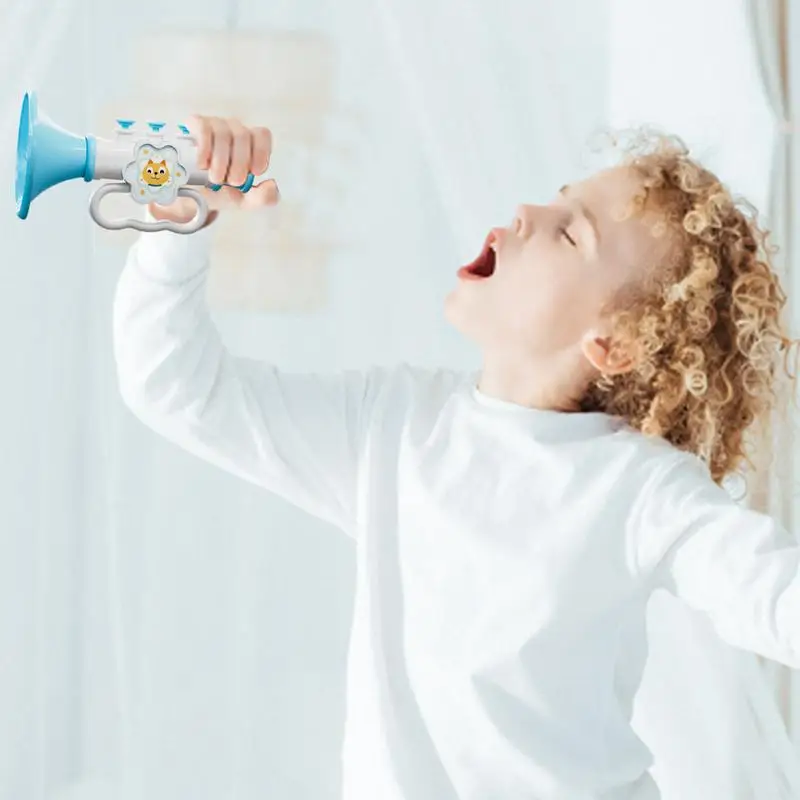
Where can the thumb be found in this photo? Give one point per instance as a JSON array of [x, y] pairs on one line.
[[264, 194], [224, 197]]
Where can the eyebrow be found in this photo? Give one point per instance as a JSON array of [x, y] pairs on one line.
[[585, 212]]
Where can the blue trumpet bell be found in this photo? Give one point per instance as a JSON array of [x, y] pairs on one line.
[[47, 155]]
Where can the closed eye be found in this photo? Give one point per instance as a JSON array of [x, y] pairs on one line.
[[568, 237]]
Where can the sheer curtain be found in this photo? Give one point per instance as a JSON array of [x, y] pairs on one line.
[[43, 413], [774, 481]]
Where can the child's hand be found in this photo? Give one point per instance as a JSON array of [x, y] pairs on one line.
[[228, 150]]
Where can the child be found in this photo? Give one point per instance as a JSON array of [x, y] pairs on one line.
[[510, 524]]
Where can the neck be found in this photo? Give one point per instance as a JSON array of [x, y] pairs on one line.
[[547, 384]]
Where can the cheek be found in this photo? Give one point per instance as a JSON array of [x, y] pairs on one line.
[[554, 302], [546, 284]]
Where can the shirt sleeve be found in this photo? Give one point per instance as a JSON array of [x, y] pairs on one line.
[[296, 435], [738, 566]]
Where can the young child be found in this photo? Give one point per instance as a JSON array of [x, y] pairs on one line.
[[511, 523]]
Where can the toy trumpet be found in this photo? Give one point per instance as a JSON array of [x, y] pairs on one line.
[[152, 161]]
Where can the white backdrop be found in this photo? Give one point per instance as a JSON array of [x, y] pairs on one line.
[[167, 631]]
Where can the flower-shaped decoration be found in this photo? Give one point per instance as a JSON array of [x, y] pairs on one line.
[[155, 175]]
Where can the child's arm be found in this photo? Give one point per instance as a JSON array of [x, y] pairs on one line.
[[298, 436], [737, 565]]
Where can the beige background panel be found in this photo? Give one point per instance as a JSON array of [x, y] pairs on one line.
[[270, 260]]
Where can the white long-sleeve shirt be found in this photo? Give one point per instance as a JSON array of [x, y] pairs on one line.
[[505, 555]]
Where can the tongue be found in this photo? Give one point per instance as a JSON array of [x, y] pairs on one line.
[[483, 265]]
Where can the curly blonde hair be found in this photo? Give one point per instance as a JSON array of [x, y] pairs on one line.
[[706, 325]]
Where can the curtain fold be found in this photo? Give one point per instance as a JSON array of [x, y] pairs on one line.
[[772, 481]]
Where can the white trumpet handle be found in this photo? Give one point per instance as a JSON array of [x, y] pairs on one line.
[[191, 226]]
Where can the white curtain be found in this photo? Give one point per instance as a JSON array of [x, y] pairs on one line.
[[45, 428], [773, 481]]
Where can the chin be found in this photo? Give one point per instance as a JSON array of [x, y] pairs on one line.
[[464, 319], [454, 311]]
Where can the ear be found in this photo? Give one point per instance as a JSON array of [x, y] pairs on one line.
[[606, 357]]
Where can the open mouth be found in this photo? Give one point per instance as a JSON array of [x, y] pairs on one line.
[[483, 266]]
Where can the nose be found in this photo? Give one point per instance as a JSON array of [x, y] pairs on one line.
[[527, 219], [521, 223]]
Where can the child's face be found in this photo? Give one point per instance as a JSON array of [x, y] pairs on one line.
[[555, 271]]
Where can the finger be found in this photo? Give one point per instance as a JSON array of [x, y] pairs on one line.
[[262, 150], [221, 153], [241, 153], [228, 197], [209, 194], [182, 210], [224, 197], [211, 197], [265, 194], [200, 129]]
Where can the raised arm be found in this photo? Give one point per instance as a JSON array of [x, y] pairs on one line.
[[297, 435], [738, 566]]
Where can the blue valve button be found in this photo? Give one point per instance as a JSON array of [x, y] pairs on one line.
[[156, 126], [125, 123]]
